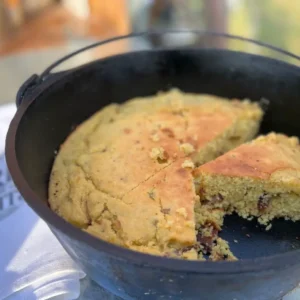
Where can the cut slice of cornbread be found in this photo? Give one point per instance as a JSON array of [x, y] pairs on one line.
[[125, 175], [260, 178]]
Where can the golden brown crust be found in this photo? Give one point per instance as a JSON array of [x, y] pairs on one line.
[[125, 175], [259, 159], [257, 179]]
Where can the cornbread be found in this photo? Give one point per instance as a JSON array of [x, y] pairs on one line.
[[126, 174], [260, 178]]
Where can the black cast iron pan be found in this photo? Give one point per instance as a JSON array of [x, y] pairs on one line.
[[51, 105]]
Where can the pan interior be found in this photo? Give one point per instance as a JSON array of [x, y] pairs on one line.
[[58, 109]]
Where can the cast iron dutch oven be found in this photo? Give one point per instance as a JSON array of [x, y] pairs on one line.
[[51, 105]]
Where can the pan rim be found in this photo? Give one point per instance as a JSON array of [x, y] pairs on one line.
[[272, 262]]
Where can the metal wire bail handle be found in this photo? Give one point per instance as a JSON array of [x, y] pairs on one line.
[[35, 79], [47, 71]]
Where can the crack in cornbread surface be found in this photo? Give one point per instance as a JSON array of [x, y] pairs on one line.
[[125, 174]]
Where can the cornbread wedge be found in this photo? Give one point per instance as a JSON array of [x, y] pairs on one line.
[[126, 174], [260, 178]]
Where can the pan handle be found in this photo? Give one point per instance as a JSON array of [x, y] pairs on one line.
[[36, 80], [203, 33], [29, 84], [32, 83]]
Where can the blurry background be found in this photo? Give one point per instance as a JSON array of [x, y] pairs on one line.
[[34, 33]]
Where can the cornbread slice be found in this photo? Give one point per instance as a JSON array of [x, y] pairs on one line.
[[125, 175], [260, 178]]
